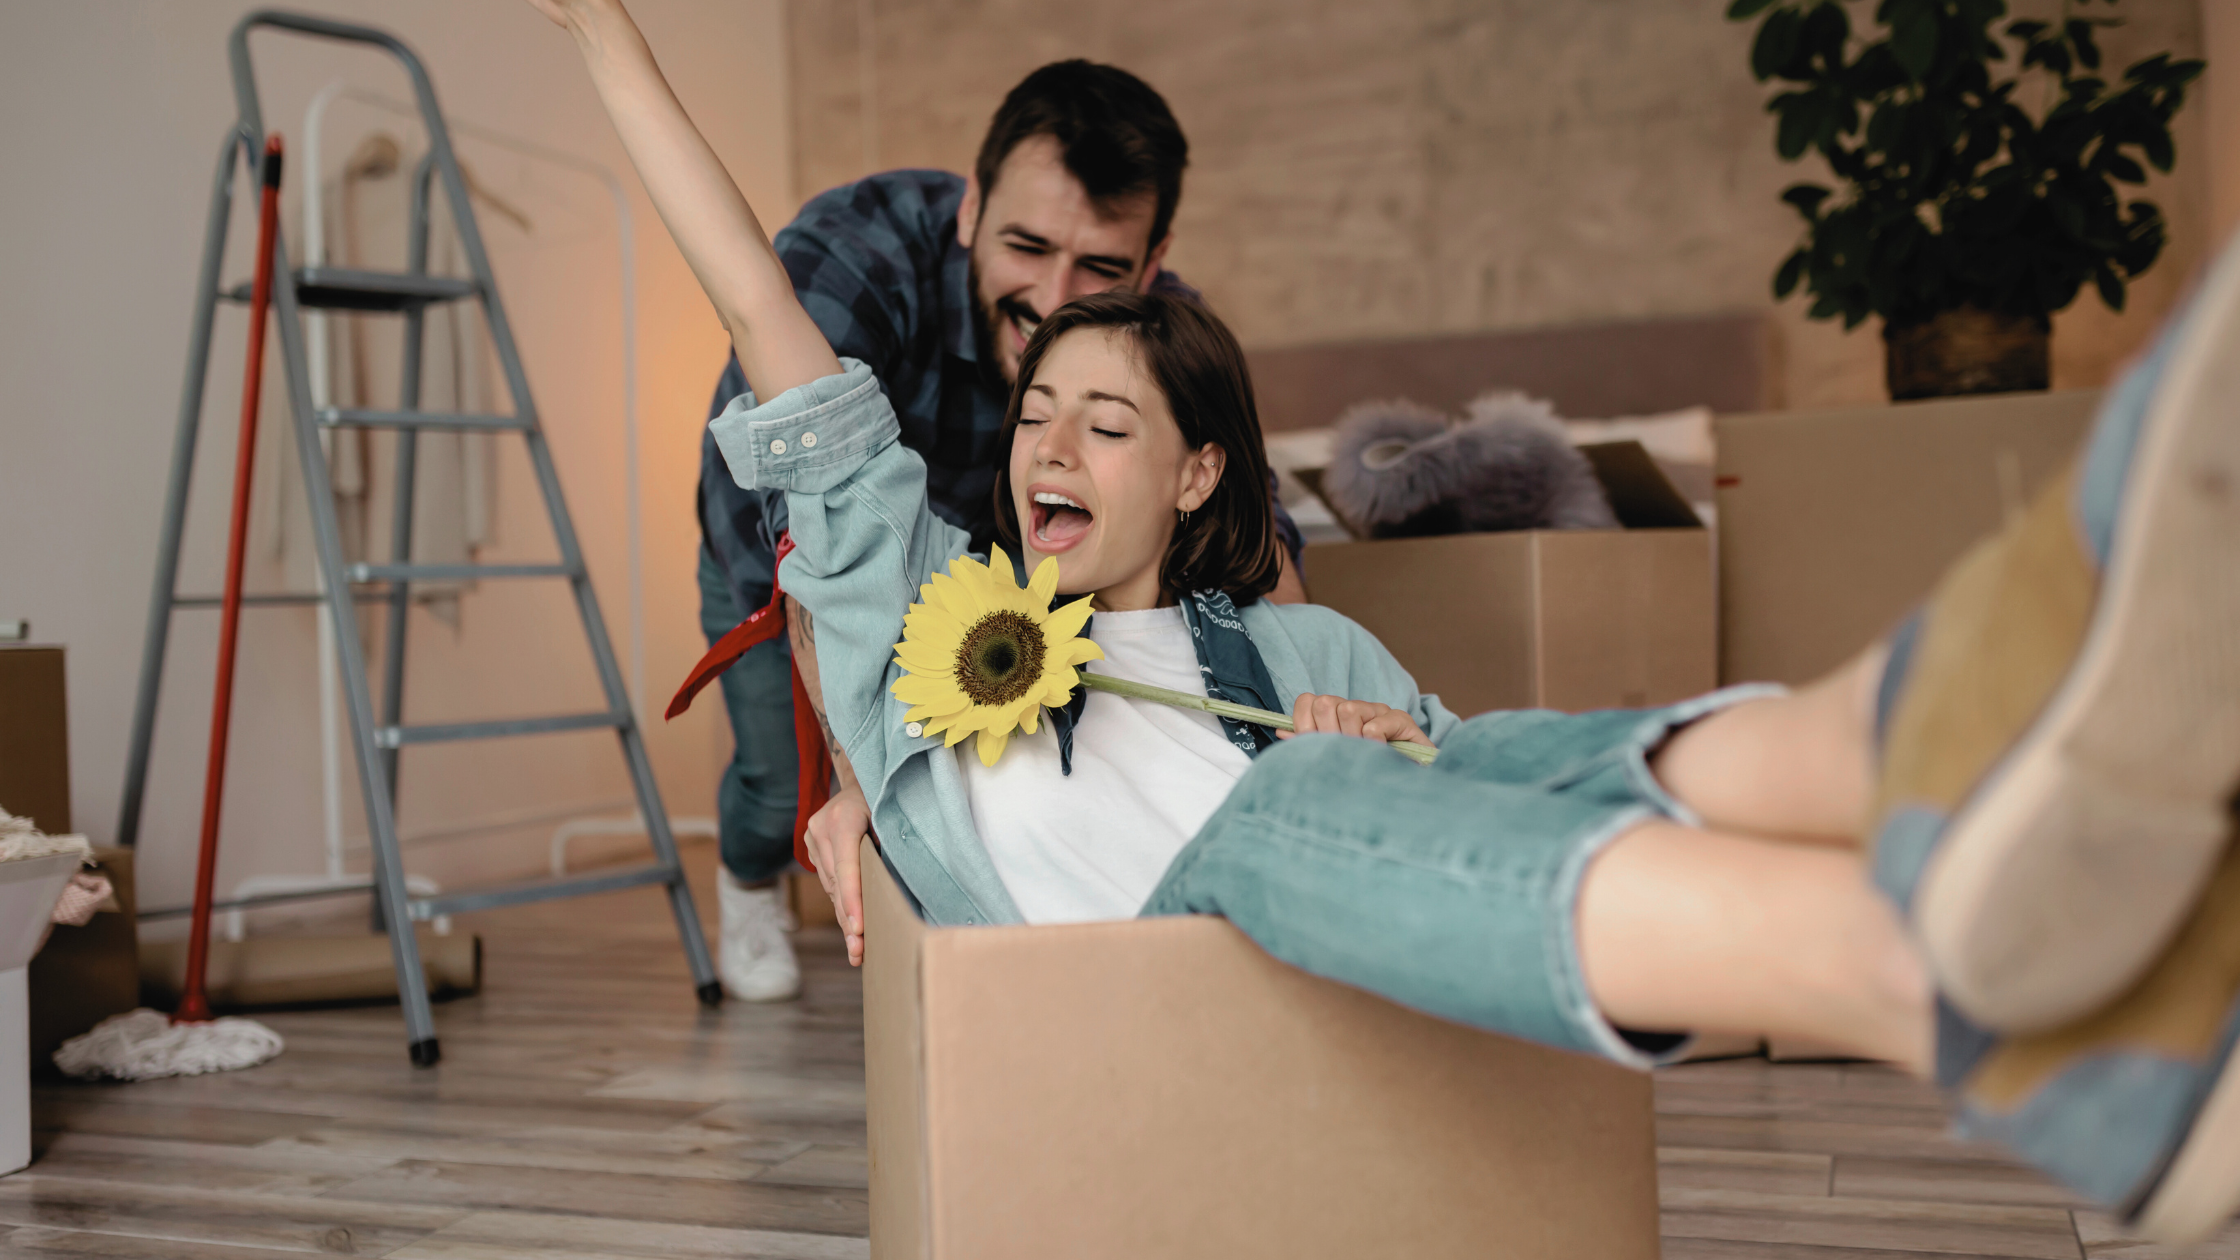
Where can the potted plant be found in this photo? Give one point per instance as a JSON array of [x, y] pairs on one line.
[[1959, 217]]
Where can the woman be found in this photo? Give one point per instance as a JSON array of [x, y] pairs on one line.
[[1581, 880]]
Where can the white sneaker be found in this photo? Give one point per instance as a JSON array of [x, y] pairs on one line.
[[755, 958]]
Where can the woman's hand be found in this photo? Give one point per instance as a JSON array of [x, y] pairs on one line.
[[835, 843], [1363, 719]]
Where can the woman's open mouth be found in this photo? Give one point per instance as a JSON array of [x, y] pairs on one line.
[[1059, 521]]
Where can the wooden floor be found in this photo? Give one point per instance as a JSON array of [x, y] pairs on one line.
[[587, 1107]]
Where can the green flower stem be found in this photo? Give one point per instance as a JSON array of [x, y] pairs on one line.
[[1423, 753]]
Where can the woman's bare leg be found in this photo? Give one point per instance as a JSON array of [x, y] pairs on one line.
[[1797, 767], [1681, 929]]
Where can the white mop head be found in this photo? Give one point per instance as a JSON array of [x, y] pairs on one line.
[[144, 1044]]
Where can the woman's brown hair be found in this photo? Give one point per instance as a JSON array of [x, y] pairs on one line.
[[1230, 540]]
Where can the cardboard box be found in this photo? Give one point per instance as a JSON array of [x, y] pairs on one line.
[[1543, 619], [1834, 524], [1163, 1088], [34, 737], [86, 974]]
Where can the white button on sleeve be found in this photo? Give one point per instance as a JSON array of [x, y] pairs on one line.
[[914, 730], [808, 441], [777, 446]]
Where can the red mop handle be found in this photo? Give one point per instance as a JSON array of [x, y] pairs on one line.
[[194, 1004]]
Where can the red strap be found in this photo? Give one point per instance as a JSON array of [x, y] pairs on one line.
[[768, 622], [815, 784]]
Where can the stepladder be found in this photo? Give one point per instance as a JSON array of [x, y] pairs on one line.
[[379, 727]]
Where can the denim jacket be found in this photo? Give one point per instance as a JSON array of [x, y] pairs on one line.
[[865, 540]]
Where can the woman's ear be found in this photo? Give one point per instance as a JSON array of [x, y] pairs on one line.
[[1206, 465]]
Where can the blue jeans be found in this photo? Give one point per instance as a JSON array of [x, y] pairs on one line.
[[755, 800], [1453, 890]]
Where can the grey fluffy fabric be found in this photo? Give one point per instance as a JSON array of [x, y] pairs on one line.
[[1399, 470]]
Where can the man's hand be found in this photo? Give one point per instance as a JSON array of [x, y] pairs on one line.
[[1364, 719], [835, 842]]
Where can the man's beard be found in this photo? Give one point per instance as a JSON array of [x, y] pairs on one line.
[[987, 319]]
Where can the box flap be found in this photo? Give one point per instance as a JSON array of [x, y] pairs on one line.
[[1639, 492]]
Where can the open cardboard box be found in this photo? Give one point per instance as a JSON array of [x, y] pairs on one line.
[[1162, 1087], [1544, 619]]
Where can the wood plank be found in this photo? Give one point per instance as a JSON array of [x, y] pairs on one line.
[[1873, 1224], [628, 1196], [533, 1236], [208, 1216]]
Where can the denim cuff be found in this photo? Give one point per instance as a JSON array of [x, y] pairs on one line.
[[810, 438]]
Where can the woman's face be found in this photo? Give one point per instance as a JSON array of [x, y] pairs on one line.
[[1099, 468]]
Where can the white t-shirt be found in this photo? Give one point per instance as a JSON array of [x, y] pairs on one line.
[[1146, 776]]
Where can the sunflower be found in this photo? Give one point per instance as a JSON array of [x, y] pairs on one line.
[[984, 655]]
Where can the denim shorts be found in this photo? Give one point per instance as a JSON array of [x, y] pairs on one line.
[[1451, 889]]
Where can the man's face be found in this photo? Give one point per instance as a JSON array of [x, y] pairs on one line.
[[1038, 242]]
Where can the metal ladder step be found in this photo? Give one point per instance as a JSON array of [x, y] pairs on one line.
[[345, 289], [541, 890], [337, 417], [399, 736], [454, 572]]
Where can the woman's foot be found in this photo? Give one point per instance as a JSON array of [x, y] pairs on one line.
[[2137, 1105], [754, 958], [2061, 722]]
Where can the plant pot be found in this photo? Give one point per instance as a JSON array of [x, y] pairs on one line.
[[1967, 351]]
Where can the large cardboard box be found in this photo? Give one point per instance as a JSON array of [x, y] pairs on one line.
[[1832, 524], [34, 737], [1543, 619], [1162, 1087]]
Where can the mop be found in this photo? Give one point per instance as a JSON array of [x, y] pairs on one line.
[[144, 1044]]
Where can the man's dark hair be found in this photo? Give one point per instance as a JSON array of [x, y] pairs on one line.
[[1230, 541], [1116, 133]]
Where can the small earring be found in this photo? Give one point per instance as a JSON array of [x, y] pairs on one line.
[[1182, 516]]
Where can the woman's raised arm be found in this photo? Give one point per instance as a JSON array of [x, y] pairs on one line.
[[779, 346]]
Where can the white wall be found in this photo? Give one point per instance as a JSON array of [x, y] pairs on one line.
[[116, 108]]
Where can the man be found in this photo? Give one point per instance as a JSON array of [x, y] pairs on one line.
[[936, 281]]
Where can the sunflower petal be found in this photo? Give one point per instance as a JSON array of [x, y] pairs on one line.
[[1066, 622], [936, 716], [991, 745], [926, 658], [919, 689], [933, 625], [958, 598], [1043, 586], [1029, 719], [1076, 652]]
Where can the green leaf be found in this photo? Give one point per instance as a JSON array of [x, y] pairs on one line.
[[2080, 34], [1785, 280], [2110, 286], [2155, 142], [1744, 10], [1825, 31], [1800, 124], [1806, 198], [2122, 168], [1913, 36], [1776, 44]]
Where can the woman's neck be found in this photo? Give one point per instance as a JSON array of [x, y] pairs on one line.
[[1142, 591]]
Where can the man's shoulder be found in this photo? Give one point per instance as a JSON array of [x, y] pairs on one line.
[[905, 211]]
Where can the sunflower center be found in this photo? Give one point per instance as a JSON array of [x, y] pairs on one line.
[[1000, 658]]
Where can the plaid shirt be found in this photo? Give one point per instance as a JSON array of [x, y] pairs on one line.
[[877, 265]]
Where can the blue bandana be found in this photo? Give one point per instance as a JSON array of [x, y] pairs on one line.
[[1229, 661]]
